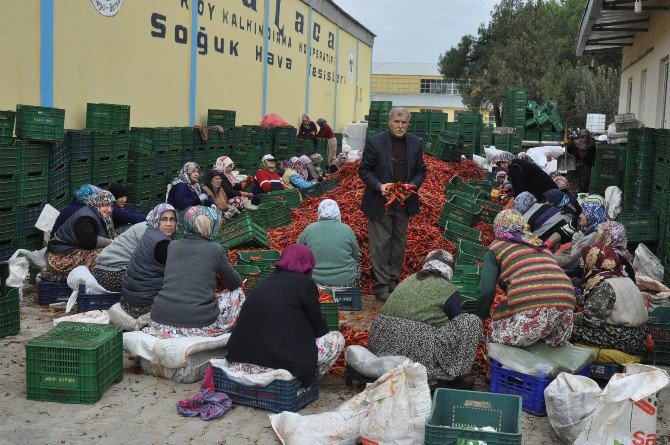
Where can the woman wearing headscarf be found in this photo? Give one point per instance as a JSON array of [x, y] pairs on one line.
[[266, 179], [326, 132], [544, 220], [539, 297], [614, 315], [562, 183], [189, 303], [80, 239], [307, 170], [338, 162], [317, 159], [593, 214], [122, 216], [185, 191], [422, 320], [307, 129], [583, 148], [292, 177], [231, 187], [214, 190], [334, 246], [613, 234], [143, 278], [281, 325], [79, 200]]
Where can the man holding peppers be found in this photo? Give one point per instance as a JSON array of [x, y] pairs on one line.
[[392, 169]]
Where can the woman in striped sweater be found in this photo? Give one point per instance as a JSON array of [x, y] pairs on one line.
[[540, 298]]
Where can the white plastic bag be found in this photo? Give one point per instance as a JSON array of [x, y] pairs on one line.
[[646, 263], [96, 317], [613, 201], [571, 401], [368, 364], [627, 409], [18, 269], [47, 218], [119, 317], [399, 406], [81, 275]]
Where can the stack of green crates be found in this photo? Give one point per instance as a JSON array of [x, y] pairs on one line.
[[543, 122], [39, 123], [282, 137], [80, 147], [243, 231], [428, 122], [223, 118], [109, 157], [140, 166], [107, 117], [250, 275], [272, 214], [455, 232], [10, 321], [378, 116], [291, 196], [74, 363], [641, 227], [466, 279], [661, 185], [263, 259], [246, 157], [447, 145], [461, 210], [646, 158], [470, 253], [630, 171], [33, 179], [608, 169], [58, 193], [7, 119]]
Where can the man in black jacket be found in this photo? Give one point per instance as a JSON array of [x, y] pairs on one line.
[[389, 157]]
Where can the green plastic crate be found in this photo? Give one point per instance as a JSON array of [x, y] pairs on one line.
[[10, 320], [331, 312], [7, 119], [34, 156], [489, 210], [458, 184], [33, 187], [292, 196], [455, 413], [658, 327], [80, 172], [11, 158], [224, 118], [320, 188], [272, 214], [74, 363], [39, 123], [243, 231], [9, 189], [252, 275], [640, 226], [9, 222], [140, 141], [455, 232], [470, 253], [107, 117], [261, 258], [460, 210]]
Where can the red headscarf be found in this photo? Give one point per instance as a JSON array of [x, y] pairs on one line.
[[297, 258]]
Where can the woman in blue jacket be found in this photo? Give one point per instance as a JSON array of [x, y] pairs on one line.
[[185, 191]]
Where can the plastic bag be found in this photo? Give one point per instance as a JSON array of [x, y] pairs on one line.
[[613, 201], [540, 356], [18, 269], [571, 401], [119, 317], [96, 317], [81, 275], [274, 120], [47, 218], [368, 364], [646, 263]]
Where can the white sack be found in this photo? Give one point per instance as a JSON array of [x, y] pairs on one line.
[[646, 263], [96, 317], [262, 379], [480, 161], [47, 218], [81, 275], [119, 317], [613, 199], [18, 270], [367, 363], [571, 401]]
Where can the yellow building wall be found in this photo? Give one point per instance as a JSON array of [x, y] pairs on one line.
[[20, 54], [142, 57]]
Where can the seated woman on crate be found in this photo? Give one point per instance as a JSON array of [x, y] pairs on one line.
[[568, 207], [614, 315], [185, 191], [317, 159], [539, 297], [422, 320], [334, 246], [233, 189], [189, 303], [83, 235], [281, 325], [593, 214], [545, 221], [307, 170], [79, 200], [613, 234], [122, 216], [338, 162], [292, 178], [215, 191], [266, 179], [143, 278]]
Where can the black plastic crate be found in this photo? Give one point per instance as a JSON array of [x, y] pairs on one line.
[[355, 378], [52, 292], [80, 144], [59, 181], [96, 302], [604, 371]]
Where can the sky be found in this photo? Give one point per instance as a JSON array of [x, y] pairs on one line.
[[417, 30]]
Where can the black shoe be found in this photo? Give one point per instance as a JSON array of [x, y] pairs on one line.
[[463, 383]]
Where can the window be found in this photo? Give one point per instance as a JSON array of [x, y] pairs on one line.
[[643, 87], [630, 94], [438, 86]]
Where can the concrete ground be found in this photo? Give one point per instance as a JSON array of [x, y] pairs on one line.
[[141, 408]]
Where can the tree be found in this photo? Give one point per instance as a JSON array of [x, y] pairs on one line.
[[531, 44]]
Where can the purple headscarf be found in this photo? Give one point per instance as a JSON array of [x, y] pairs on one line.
[[297, 258]]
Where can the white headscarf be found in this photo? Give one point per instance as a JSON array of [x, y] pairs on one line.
[[328, 209]]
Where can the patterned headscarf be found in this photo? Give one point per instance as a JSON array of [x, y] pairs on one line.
[[594, 198], [297, 258], [561, 182], [304, 160], [316, 158], [600, 262], [98, 200], [502, 157], [501, 176], [340, 160], [595, 215], [612, 233], [84, 192], [328, 209], [154, 216], [202, 221], [291, 163], [184, 176], [523, 202], [509, 225], [438, 263], [221, 163], [556, 198]]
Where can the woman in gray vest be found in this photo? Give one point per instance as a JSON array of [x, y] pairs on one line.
[[143, 277], [189, 303], [83, 235]]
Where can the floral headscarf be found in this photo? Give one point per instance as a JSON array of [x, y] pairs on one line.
[[292, 162], [340, 160], [438, 263], [154, 216], [304, 161], [328, 209], [502, 157], [98, 200], [297, 258], [202, 221], [600, 262], [316, 158], [595, 215], [84, 192], [561, 182], [509, 225], [184, 176], [612, 233], [556, 198], [523, 202], [221, 163], [594, 198]]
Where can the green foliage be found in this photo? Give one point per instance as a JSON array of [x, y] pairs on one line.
[[531, 44]]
